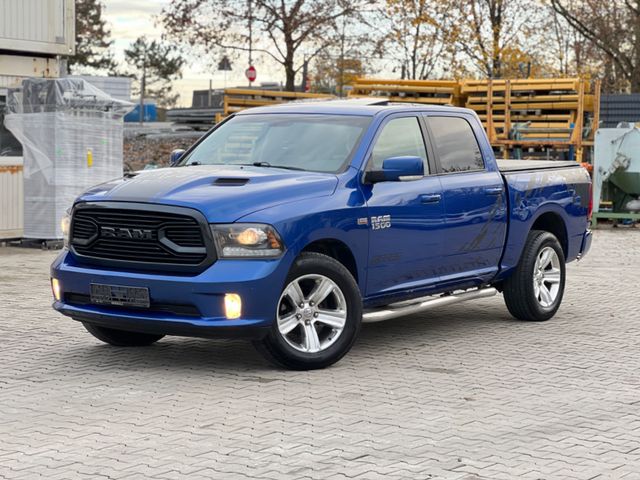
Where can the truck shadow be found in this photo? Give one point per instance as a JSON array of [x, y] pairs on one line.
[[206, 356]]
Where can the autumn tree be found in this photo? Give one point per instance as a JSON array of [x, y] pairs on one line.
[[154, 65], [613, 28], [330, 74], [288, 31], [419, 35], [567, 53], [498, 35], [92, 39]]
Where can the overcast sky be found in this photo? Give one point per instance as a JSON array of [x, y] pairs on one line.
[[129, 19]]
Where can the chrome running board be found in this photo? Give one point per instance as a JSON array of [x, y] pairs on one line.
[[401, 309]]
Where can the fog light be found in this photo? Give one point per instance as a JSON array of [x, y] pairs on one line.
[[55, 288], [232, 305]]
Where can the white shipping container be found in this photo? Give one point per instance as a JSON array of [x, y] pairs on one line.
[[38, 26], [117, 87], [11, 198]]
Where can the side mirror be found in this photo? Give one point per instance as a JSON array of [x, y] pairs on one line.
[[175, 157], [397, 169]]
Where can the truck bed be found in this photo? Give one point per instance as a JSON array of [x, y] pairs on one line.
[[506, 166]]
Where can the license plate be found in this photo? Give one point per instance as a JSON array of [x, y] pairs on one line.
[[119, 296]]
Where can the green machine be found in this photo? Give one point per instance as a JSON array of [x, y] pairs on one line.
[[616, 174]]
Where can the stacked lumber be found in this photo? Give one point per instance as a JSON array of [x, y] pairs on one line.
[[237, 99], [438, 92], [532, 112]]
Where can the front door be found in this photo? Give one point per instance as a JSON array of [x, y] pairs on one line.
[[405, 217], [474, 202]]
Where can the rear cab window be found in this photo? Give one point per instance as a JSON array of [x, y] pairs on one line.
[[455, 143]]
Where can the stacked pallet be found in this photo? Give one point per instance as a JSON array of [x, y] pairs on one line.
[[237, 99], [537, 114], [438, 92], [534, 112]]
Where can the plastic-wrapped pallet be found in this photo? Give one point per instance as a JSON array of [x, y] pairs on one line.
[[71, 133]]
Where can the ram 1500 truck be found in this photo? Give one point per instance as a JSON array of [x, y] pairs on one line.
[[293, 224]]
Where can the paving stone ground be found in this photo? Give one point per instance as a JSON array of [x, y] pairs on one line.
[[463, 392]]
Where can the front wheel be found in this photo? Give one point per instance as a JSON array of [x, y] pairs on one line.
[[318, 315], [534, 291], [120, 338]]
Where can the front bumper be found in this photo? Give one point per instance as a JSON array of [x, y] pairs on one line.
[[199, 299]]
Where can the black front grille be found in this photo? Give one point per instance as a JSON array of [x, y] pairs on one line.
[[150, 235]]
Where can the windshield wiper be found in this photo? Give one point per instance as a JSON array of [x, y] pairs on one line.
[[267, 164]]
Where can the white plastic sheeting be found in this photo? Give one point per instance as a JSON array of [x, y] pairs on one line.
[[71, 134]]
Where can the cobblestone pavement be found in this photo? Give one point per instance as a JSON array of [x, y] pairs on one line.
[[464, 392]]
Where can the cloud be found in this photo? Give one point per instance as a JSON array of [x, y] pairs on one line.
[[134, 7], [130, 19]]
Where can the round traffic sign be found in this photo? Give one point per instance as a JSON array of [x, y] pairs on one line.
[[251, 73]]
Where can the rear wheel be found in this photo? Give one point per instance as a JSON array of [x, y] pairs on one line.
[[318, 315], [121, 338], [534, 292]]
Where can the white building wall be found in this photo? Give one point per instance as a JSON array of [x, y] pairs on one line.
[[11, 198]]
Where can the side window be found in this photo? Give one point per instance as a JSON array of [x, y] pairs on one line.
[[400, 137], [456, 144]]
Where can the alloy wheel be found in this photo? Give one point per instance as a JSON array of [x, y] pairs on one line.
[[312, 313], [546, 277]]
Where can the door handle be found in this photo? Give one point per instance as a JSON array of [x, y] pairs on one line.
[[494, 190], [430, 198]]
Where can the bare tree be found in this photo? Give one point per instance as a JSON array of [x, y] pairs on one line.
[[418, 35], [613, 27], [497, 34], [289, 31]]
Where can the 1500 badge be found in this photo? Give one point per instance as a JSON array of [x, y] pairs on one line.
[[380, 222]]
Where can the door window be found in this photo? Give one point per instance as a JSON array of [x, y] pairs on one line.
[[400, 137], [456, 144]]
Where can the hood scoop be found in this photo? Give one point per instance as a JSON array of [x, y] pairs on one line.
[[231, 182]]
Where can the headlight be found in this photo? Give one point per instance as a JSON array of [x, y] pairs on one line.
[[65, 226], [247, 240]]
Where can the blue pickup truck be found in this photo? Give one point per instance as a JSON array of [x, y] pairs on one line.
[[293, 224]]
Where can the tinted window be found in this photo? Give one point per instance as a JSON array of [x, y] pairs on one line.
[[321, 143], [456, 144], [400, 137]]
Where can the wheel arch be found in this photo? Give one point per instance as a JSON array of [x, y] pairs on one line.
[[338, 250], [553, 223]]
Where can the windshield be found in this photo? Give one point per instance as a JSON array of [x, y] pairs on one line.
[[319, 143]]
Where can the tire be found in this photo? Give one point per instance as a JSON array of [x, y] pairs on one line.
[[121, 338], [531, 293], [291, 342]]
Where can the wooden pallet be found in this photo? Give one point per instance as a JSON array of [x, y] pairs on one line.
[[433, 92], [535, 112], [237, 99]]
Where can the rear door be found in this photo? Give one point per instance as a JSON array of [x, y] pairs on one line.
[[474, 200], [405, 218]]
